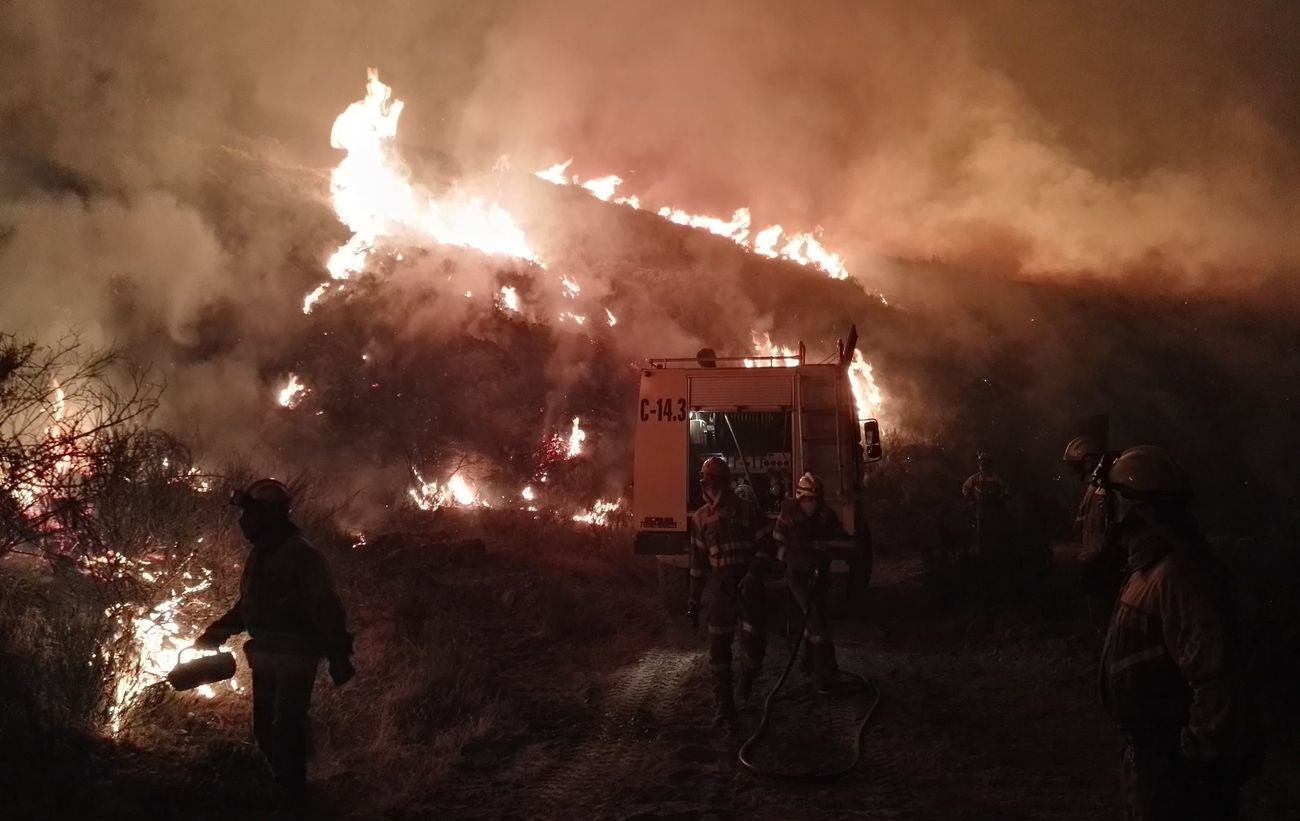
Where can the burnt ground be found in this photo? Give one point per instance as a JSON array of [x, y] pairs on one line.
[[977, 720], [992, 716]]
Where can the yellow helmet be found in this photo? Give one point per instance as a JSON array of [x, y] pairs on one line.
[[1147, 474], [1080, 448]]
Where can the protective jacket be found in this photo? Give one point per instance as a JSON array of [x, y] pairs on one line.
[[1171, 669], [796, 532], [726, 537], [804, 543], [287, 601], [729, 533], [984, 489]]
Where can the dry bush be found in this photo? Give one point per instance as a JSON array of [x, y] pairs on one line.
[[52, 687], [102, 521]]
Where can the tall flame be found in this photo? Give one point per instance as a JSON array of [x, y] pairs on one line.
[[373, 195], [768, 354], [867, 397], [576, 437]]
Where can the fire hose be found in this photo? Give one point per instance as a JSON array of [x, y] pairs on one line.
[[862, 685]]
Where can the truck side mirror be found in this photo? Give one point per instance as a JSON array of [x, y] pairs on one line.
[[872, 450]]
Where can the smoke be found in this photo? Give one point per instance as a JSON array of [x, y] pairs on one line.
[[164, 184], [1057, 140]]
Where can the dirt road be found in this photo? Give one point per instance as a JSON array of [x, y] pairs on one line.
[[976, 721]]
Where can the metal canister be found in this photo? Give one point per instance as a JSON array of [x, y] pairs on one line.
[[202, 670]]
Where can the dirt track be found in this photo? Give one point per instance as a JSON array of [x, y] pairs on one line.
[[977, 721]]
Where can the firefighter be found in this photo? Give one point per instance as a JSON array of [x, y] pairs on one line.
[[986, 495], [803, 534], [1171, 673], [1101, 562], [728, 549], [294, 618]]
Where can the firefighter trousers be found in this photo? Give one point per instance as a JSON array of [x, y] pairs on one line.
[[282, 684], [812, 602], [734, 606]]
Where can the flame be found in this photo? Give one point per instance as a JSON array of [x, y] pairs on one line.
[[528, 494], [509, 299], [576, 437], [571, 288], [373, 195], [613, 320], [311, 299], [600, 513], [156, 641], [292, 393], [430, 495], [803, 248], [555, 174], [604, 187], [769, 355], [867, 397]]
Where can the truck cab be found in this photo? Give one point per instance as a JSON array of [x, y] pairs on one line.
[[772, 419]]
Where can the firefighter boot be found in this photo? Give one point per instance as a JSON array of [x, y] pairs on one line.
[[807, 656], [724, 703], [824, 667], [745, 685]]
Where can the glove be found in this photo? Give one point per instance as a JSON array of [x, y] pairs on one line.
[[208, 640], [821, 582], [693, 615], [341, 670]]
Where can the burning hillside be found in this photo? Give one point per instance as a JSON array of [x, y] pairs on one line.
[[424, 293]]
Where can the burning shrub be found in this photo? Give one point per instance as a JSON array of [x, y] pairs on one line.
[[102, 520]]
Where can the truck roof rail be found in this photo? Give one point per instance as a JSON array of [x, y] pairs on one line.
[[728, 361], [706, 358]]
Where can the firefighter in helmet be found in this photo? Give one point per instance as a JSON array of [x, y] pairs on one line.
[[806, 534], [288, 606], [1171, 671], [1101, 563], [729, 551], [987, 496]]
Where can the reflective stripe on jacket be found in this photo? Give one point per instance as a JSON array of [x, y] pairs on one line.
[[1171, 667], [726, 534], [796, 531]]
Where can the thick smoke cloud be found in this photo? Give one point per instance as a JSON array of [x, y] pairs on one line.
[[164, 174], [1043, 138]]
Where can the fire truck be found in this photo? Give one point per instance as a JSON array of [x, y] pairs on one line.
[[772, 419]]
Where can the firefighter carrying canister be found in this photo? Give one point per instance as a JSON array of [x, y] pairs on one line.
[[1172, 672], [808, 536], [294, 618], [729, 551]]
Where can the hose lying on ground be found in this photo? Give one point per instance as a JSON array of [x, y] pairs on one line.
[[863, 686]]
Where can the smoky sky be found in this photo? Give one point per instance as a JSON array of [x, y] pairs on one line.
[[164, 166], [1039, 138]]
